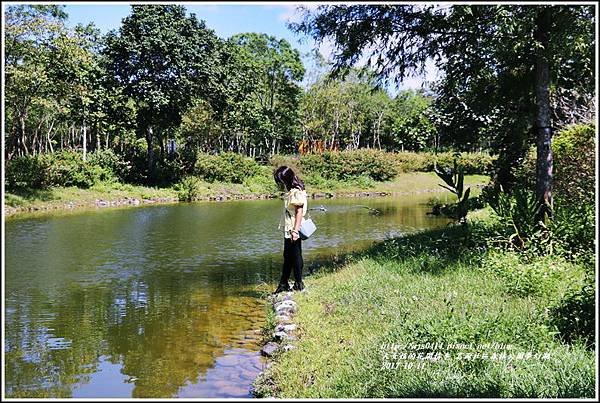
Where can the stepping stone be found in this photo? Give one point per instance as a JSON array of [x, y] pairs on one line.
[[283, 319], [290, 306], [286, 328], [283, 336], [269, 349]]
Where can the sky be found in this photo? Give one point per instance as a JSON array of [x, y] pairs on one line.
[[226, 19]]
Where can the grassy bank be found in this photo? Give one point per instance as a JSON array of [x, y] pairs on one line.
[[73, 197], [442, 286]]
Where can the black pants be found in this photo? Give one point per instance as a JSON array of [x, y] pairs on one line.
[[292, 257]]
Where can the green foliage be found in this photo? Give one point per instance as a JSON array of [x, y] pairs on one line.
[[487, 96], [68, 169], [65, 168], [472, 163], [433, 287], [356, 112], [262, 181], [573, 230], [27, 171], [187, 189], [414, 162], [574, 153], [226, 167], [573, 315], [364, 166], [454, 179], [531, 275], [345, 165], [408, 123], [162, 91], [111, 162], [171, 170], [519, 211]]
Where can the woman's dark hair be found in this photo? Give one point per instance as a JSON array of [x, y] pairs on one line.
[[287, 177]]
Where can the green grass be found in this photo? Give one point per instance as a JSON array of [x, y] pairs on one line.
[[438, 286], [104, 191]]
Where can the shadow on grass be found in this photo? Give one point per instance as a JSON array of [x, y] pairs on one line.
[[432, 251], [33, 194]]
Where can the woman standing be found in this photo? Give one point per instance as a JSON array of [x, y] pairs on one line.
[[294, 210]]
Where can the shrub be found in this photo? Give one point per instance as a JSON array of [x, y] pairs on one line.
[[262, 182], [363, 182], [136, 153], [472, 163], [187, 189], [27, 171], [170, 170], [573, 315], [573, 165], [379, 165], [226, 167], [413, 162], [531, 275], [573, 229], [345, 165], [111, 162], [316, 181], [574, 156], [63, 168], [67, 168], [278, 160]]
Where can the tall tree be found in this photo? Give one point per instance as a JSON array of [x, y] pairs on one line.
[[277, 94], [162, 58], [545, 46], [31, 91]]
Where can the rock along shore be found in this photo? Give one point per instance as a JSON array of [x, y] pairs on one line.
[[282, 339]]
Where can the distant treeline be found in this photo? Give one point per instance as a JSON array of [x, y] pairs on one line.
[[163, 88]]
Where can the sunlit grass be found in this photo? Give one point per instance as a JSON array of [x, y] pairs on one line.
[[427, 288]]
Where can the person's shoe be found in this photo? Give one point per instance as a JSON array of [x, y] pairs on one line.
[[298, 286], [282, 288]]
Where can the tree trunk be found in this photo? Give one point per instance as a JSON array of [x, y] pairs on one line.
[[49, 138], [161, 142], [84, 141], [149, 138], [98, 145], [23, 147], [542, 119]]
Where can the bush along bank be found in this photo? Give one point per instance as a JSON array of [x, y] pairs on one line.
[[444, 313], [108, 191], [67, 168]]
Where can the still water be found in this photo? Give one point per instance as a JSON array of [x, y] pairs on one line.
[[162, 301]]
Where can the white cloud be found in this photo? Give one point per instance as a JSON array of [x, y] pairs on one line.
[[288, 13], [291, 12]]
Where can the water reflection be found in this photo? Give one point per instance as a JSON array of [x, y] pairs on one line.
[[160, 301]]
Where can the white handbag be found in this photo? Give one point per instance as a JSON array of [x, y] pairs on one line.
[[307, 228]]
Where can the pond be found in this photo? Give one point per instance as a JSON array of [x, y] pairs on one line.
[[163, 301]]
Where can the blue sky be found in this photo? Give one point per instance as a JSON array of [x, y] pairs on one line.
[[226, 19]]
